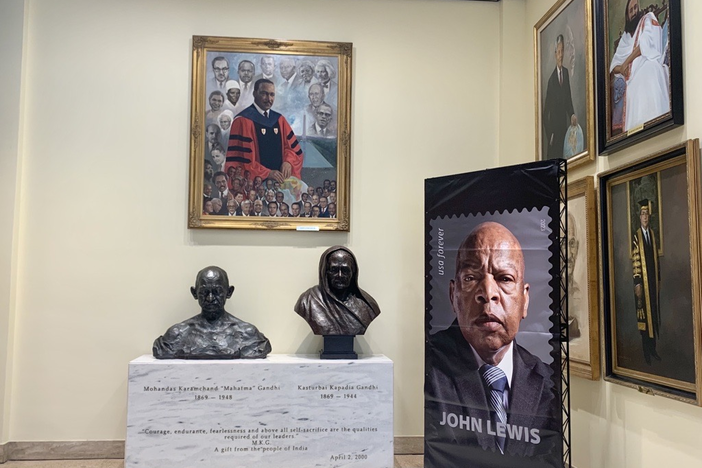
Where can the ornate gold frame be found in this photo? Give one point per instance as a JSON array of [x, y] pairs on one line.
[[340, 50], [589, 154], [689, 157], [585, 187]]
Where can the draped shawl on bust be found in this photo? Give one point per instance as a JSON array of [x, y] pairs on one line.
[[327, 314]]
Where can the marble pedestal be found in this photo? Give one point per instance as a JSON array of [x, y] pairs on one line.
[[291, 411]]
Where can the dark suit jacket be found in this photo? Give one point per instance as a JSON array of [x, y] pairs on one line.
[[331, 131], [558, 108], [454, 385]]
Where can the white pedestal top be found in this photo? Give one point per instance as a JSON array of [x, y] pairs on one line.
[[271, 359]]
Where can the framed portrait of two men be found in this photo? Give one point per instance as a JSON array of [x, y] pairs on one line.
[[270, 134], [563, 82], [639, 70], [651, 278]]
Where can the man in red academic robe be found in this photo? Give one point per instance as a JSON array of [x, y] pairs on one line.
[[261, 140]]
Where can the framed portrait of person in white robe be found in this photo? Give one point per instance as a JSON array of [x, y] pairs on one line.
[[639, 70]]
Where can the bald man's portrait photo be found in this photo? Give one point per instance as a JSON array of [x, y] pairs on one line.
[[491, 380]]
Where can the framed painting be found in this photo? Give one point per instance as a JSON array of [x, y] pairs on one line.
[[564, 89], [583, 297], [651, 273], [639, 70], [270, 134]]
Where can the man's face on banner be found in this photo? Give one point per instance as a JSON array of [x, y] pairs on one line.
[[488, 294]]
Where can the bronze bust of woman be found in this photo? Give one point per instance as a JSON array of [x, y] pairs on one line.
[[337, 306]]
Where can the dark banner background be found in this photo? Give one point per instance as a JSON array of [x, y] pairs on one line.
[[527, 200]]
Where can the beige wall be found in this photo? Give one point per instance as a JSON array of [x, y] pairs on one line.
[[514, 86], [11, 38], [614, 426], [105, 259]]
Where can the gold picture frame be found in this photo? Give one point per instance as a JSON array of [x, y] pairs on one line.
[[564, 95], [583, 291], [652, 303], [270, 131]]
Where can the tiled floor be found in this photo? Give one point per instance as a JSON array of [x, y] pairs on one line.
[[401, 461]]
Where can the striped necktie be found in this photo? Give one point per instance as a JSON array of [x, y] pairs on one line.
[[496, 381]]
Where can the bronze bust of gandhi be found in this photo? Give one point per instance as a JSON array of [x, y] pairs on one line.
[[213, 333]]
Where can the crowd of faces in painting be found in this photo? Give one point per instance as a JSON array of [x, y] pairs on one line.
[[235, 194], [306, 94]]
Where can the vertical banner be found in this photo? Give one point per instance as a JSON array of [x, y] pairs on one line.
[[496, 379]]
